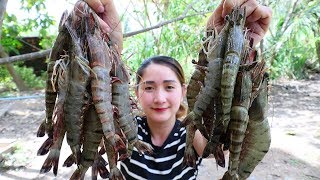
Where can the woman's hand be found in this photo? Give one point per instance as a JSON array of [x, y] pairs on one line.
[[110, 21], [258, 17]]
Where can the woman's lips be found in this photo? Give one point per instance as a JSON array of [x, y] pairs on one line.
[[160, 109]]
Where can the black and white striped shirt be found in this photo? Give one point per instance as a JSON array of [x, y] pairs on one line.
[[165, 162]]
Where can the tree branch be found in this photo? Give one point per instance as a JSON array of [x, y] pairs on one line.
[[45, 53], [288, 18], [25, 57], [162, 24]]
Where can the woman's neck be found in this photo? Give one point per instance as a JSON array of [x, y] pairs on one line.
[[160, 131]]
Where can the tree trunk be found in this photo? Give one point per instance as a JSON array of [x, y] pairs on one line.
[[3, 6], [16, 78]]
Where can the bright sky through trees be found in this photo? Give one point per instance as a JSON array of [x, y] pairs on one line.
[[55, 8]]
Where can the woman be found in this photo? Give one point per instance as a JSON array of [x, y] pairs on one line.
[[160, 91]]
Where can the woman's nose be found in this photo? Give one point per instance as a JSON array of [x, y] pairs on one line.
[[159, 96]]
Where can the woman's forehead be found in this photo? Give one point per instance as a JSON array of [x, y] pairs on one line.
[[164, 81], [155, 73]]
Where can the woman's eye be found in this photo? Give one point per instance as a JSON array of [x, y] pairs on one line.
[[148, 88], [170, 87]]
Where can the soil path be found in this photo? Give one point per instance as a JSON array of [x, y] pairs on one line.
[[294, 117]]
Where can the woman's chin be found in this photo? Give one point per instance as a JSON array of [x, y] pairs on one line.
[[160, 117]]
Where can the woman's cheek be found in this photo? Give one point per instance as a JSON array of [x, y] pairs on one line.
[[176, 98], [145, 97]]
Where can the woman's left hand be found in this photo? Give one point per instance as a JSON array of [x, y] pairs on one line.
[[258, 17]]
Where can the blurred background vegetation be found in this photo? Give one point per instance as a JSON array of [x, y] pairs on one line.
[[291, 47]]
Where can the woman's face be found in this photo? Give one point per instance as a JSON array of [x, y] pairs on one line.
[[160, 93]]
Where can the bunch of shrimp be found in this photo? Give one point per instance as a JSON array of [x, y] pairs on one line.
[[87, 100], [230, 107]]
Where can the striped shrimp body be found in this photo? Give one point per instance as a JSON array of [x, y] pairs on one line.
[[213, 112], [239, 120], [196, 79], [212, 80], [235, 45], [101, 81], [214, 145], [115, 173], [257, 141], [193, 89], [57, 51], [123, 150], [52, 159], [92, 135], [122, 103], [77, 97], [214, 56]]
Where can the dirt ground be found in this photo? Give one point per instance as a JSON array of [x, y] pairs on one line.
[[294, 114]]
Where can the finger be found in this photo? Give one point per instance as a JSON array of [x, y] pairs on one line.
[[262, 15], [111, 16], [96, 5], [255, 37], [215, 18], [255, 28], [104, 26], [250, 6], [228, 5]]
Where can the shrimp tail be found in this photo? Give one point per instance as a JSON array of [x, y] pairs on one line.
[[51, 161], [99, 167], [45, 147], [69, 161], [42, 129], [215, 149]]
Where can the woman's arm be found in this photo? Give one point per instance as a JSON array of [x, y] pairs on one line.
[[199, 142]]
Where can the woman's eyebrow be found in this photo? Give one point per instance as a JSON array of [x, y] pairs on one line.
[[169, 81], [164, 81], [148, 82]]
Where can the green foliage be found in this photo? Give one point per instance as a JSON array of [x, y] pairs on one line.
[[15, 159], [14, 28], [290, 43], [30, 78], [5, 79], [180, 40], [27, 75], [293, 37]]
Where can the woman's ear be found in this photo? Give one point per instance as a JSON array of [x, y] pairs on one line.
[[184, 91], [136, 91]]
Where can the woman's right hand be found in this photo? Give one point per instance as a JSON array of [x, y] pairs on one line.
[[109, 20]]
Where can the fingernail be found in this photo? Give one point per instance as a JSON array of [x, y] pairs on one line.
[[100, 9]]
